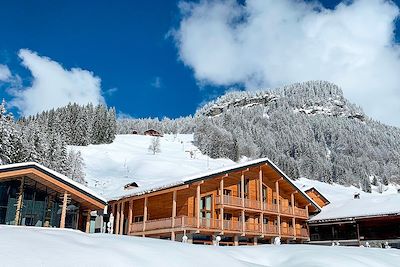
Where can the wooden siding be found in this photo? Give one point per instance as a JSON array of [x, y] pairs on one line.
[[285, 218]]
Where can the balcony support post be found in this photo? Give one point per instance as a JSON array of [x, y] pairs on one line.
[[173, 214], [278, 207], [198, 206], [221, 187], [145, 213]]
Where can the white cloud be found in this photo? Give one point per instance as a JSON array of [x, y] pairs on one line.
[[268, 43], [5, 73], [53, 86]]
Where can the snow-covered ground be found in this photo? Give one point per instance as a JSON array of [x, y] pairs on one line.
[[109, 167], [30, 246]]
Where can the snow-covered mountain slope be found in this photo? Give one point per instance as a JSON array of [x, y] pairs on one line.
[[311, 98], [82, 249], [111, 166]]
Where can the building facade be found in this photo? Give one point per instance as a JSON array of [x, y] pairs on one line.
[[33, 195], [247, 204]]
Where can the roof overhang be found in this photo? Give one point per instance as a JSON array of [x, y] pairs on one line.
[[55, 181]]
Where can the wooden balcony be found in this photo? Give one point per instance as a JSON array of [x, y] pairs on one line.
[[232, 226], [300, 212], [257, 205], [210, 224], [287, 231], [270, 229]]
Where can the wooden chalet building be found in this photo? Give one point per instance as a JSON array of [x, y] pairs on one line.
[[356, 221], [248, 203], [33, 195], [152, 132]]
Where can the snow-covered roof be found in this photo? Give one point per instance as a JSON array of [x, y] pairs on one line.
[[60, 176], [209, 174], [366, 206]]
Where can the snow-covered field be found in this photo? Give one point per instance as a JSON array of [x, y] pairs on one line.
[[30, 246], [110, 167]]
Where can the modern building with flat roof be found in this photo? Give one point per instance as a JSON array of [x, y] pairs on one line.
[[33, 195]]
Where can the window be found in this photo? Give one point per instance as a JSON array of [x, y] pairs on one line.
[[227, 192], [246, 188], [264, 192], [227, 216], [206, 207], [137, 219], [265, 220]]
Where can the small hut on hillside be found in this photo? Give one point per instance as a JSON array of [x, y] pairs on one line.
[[152, 132]]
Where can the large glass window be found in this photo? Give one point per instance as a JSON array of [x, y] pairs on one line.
[[40, 206]]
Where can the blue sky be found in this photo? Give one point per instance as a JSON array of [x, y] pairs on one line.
[[124, 43]]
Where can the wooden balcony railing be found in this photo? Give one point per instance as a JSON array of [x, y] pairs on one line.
[[255, 204], [270, 207], [232, 225], [300, 212], [252, 204], [302, 232], [288, 231], [252, 227], [270, 229], [229, 200], [209, 223], [285, 210], [215, 224]]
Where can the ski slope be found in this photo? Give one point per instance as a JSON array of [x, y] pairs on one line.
[[111, 166], [31, 246]]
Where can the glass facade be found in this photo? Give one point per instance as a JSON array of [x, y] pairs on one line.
[[40, 205]]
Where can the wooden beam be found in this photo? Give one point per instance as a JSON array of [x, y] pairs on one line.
[[122, 218], [242, 188], [19, 201], [145, 213], [221, 188], [87, 228], [118, 209], [278, 206], [292, 200], [198, 205], [173, 208], [64, 210], [173, 215], [294, 226], [130, 215]]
